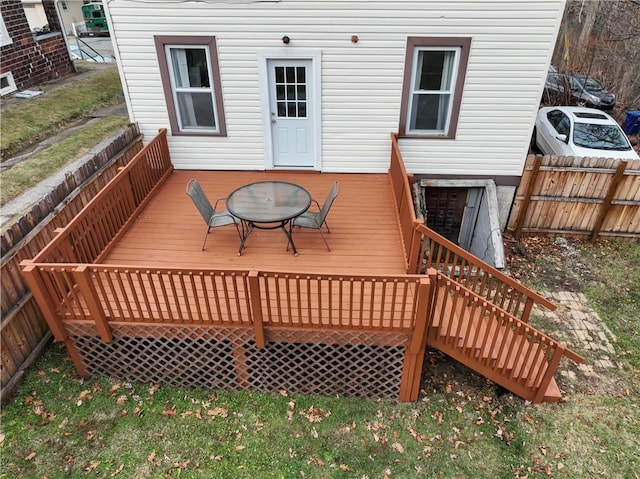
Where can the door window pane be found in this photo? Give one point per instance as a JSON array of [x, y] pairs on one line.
[[291, 91]]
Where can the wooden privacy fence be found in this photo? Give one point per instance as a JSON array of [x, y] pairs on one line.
[[583, 197], [23, 331]]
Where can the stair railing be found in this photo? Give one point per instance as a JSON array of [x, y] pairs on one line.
[[492, 342], [431, 250]]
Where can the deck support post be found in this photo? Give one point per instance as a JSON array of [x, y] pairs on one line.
[[33, 278], [414, 355], [82, 275], [256, 309]]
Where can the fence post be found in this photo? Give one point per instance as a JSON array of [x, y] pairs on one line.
[[82, 275], [606, 205], [33, 279], [537, 163], [256, 308]]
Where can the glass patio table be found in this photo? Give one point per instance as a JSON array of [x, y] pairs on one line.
[[268, 205]]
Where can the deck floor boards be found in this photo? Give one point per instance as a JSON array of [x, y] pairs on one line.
[[365, 236]]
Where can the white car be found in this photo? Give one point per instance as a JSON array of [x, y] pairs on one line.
[[577, 131]]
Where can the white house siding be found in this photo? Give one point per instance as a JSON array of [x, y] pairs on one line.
[[512, 43]]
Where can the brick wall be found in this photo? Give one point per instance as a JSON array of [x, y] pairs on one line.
[[30, 59]]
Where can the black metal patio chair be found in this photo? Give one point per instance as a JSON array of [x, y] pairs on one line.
[[211, 215], [315, 219]]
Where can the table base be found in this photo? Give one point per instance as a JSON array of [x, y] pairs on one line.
[[249, 226]]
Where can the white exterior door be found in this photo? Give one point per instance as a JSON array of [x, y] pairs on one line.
[[292, 119]]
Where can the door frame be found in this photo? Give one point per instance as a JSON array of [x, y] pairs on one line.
[[313, 55]]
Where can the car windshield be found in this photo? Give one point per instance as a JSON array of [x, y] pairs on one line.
[[600, 137], [589, 84]]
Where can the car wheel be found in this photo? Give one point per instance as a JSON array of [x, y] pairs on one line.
[[533, 146]]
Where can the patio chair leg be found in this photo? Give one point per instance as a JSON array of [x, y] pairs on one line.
[[324, 239], [205, 237]]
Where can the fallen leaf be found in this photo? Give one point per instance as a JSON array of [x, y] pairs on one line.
[[92, 465], [437, 415], [283, 393], [396, 446], [240, 448], [344, 467], [182, 465], [117, 471], [30, 456], [85, 394], [169, 412], [63, 424], [218, 411], [152, 457], [479, 421], [543, 450]]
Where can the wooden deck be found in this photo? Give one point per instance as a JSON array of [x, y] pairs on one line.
[[128, 274], [365, 234]]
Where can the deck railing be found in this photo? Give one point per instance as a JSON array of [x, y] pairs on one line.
[[403, 199], [105, 294], [435, 251], [88, 236], [493, 342], [424, 249]]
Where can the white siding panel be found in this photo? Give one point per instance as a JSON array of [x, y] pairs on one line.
[[512, 42]]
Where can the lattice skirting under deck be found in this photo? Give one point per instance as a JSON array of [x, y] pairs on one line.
[[319, 362]]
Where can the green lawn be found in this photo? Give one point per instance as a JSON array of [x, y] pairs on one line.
[[27, 122]]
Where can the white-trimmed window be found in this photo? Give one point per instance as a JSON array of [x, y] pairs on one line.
[[191, 81], [7, 83], [434, 78], [5, 38]]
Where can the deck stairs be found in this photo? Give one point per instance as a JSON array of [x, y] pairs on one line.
[[480, 317], [494, 343]]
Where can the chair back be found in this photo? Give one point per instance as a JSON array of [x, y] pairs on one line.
[[194, 190], [333, 193]]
